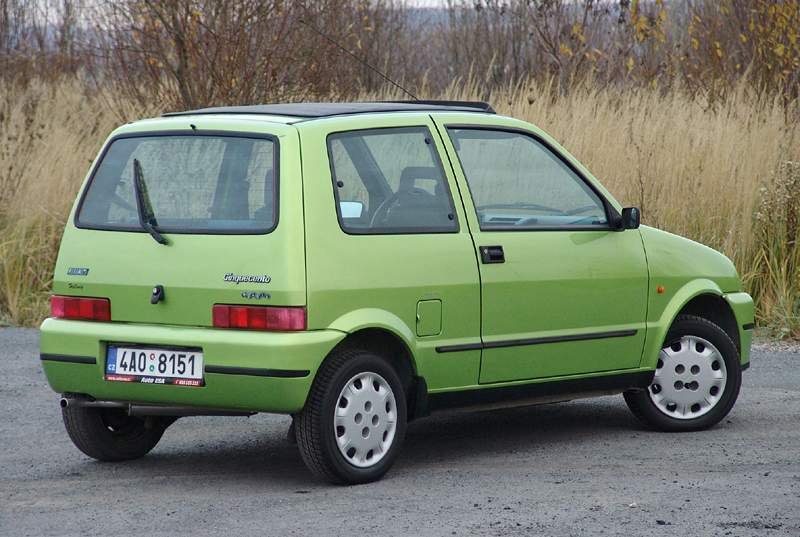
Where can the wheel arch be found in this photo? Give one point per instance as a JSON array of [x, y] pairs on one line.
[[715, 308], [384, 343], [375, 327], [385, 334], [701, 297]]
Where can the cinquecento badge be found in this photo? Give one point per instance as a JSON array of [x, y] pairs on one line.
[[246, 278]]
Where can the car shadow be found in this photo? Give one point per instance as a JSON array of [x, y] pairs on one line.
[[548, 426], [251, 456]]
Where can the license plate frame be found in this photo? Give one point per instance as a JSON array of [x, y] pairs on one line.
[[118, 367]]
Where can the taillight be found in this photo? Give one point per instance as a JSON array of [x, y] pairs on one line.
[[78, 307], [258, 317]]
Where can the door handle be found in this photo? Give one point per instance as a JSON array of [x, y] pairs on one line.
[[492, 254]]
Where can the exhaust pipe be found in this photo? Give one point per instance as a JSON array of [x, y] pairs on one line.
[[140, 410], [77, 402]]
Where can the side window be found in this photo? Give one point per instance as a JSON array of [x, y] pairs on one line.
[[518, 183], [390, 181]]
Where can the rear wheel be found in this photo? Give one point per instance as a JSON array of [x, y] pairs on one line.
[[354, 422], [111, 434], [696, 381]]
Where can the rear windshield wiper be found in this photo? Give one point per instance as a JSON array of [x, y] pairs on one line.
[[147, 218]]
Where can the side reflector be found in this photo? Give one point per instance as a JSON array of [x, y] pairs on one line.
[[82, 308], [272, 318]]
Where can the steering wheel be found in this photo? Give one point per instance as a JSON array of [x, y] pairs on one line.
[[382, 211]]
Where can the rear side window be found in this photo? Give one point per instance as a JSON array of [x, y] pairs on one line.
[[196, 184], [518, 183], [390, 181]]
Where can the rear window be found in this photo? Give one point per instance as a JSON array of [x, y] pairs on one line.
[[196, 184]]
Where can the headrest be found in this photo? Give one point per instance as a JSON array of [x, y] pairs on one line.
[[410, 175]]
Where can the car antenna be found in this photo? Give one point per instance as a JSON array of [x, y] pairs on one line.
[[362, 61]]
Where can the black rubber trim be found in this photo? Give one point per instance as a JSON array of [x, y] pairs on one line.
[[69, 358], [318, 110], [535, 341], [418, 399], [746, 366], [257, 371], [748, 326], [460, 348], [483, 396]]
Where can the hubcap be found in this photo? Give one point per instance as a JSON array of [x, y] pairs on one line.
[[365, 419], [690, 378]]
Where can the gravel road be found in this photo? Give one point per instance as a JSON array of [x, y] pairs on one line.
[[579, 468]]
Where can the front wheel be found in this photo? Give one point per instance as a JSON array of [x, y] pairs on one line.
[[696, 381], [354, 421]]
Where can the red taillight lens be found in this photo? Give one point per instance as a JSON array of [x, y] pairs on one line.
[[258, 317], [78, 307]]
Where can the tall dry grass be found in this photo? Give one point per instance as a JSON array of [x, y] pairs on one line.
[[722, 175], [49, 135]]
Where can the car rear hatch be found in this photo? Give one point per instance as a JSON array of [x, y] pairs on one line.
[[228, 204]]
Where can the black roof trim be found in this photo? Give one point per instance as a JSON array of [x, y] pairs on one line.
[[314, 110]]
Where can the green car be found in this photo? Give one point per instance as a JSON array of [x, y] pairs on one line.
[[360, 265]]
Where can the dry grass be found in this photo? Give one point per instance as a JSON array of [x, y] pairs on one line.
[[48, 138], [700, 172]]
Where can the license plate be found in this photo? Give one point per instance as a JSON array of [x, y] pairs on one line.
[[151, 365]]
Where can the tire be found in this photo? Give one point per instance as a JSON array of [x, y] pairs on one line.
[[371, 419], [110, 435], [696, 382]]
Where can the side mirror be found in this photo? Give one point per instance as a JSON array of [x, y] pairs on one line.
[[630, 218]]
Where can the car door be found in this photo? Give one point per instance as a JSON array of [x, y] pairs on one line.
[[562, 293], [387, 244]]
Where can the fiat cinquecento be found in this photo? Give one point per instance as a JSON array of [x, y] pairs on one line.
[[360, 265]]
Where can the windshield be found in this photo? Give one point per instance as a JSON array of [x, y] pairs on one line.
[[195, 184]]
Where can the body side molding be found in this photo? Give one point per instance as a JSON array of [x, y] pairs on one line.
[[535, 341], [257, 371], [69, 358]]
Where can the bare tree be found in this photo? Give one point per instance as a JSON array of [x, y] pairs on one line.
[[188, 53], [39, 38]]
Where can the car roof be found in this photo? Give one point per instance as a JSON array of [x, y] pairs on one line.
[[307, 111]]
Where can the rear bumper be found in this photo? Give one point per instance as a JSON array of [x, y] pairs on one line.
[[742, 306], [244, 370]]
